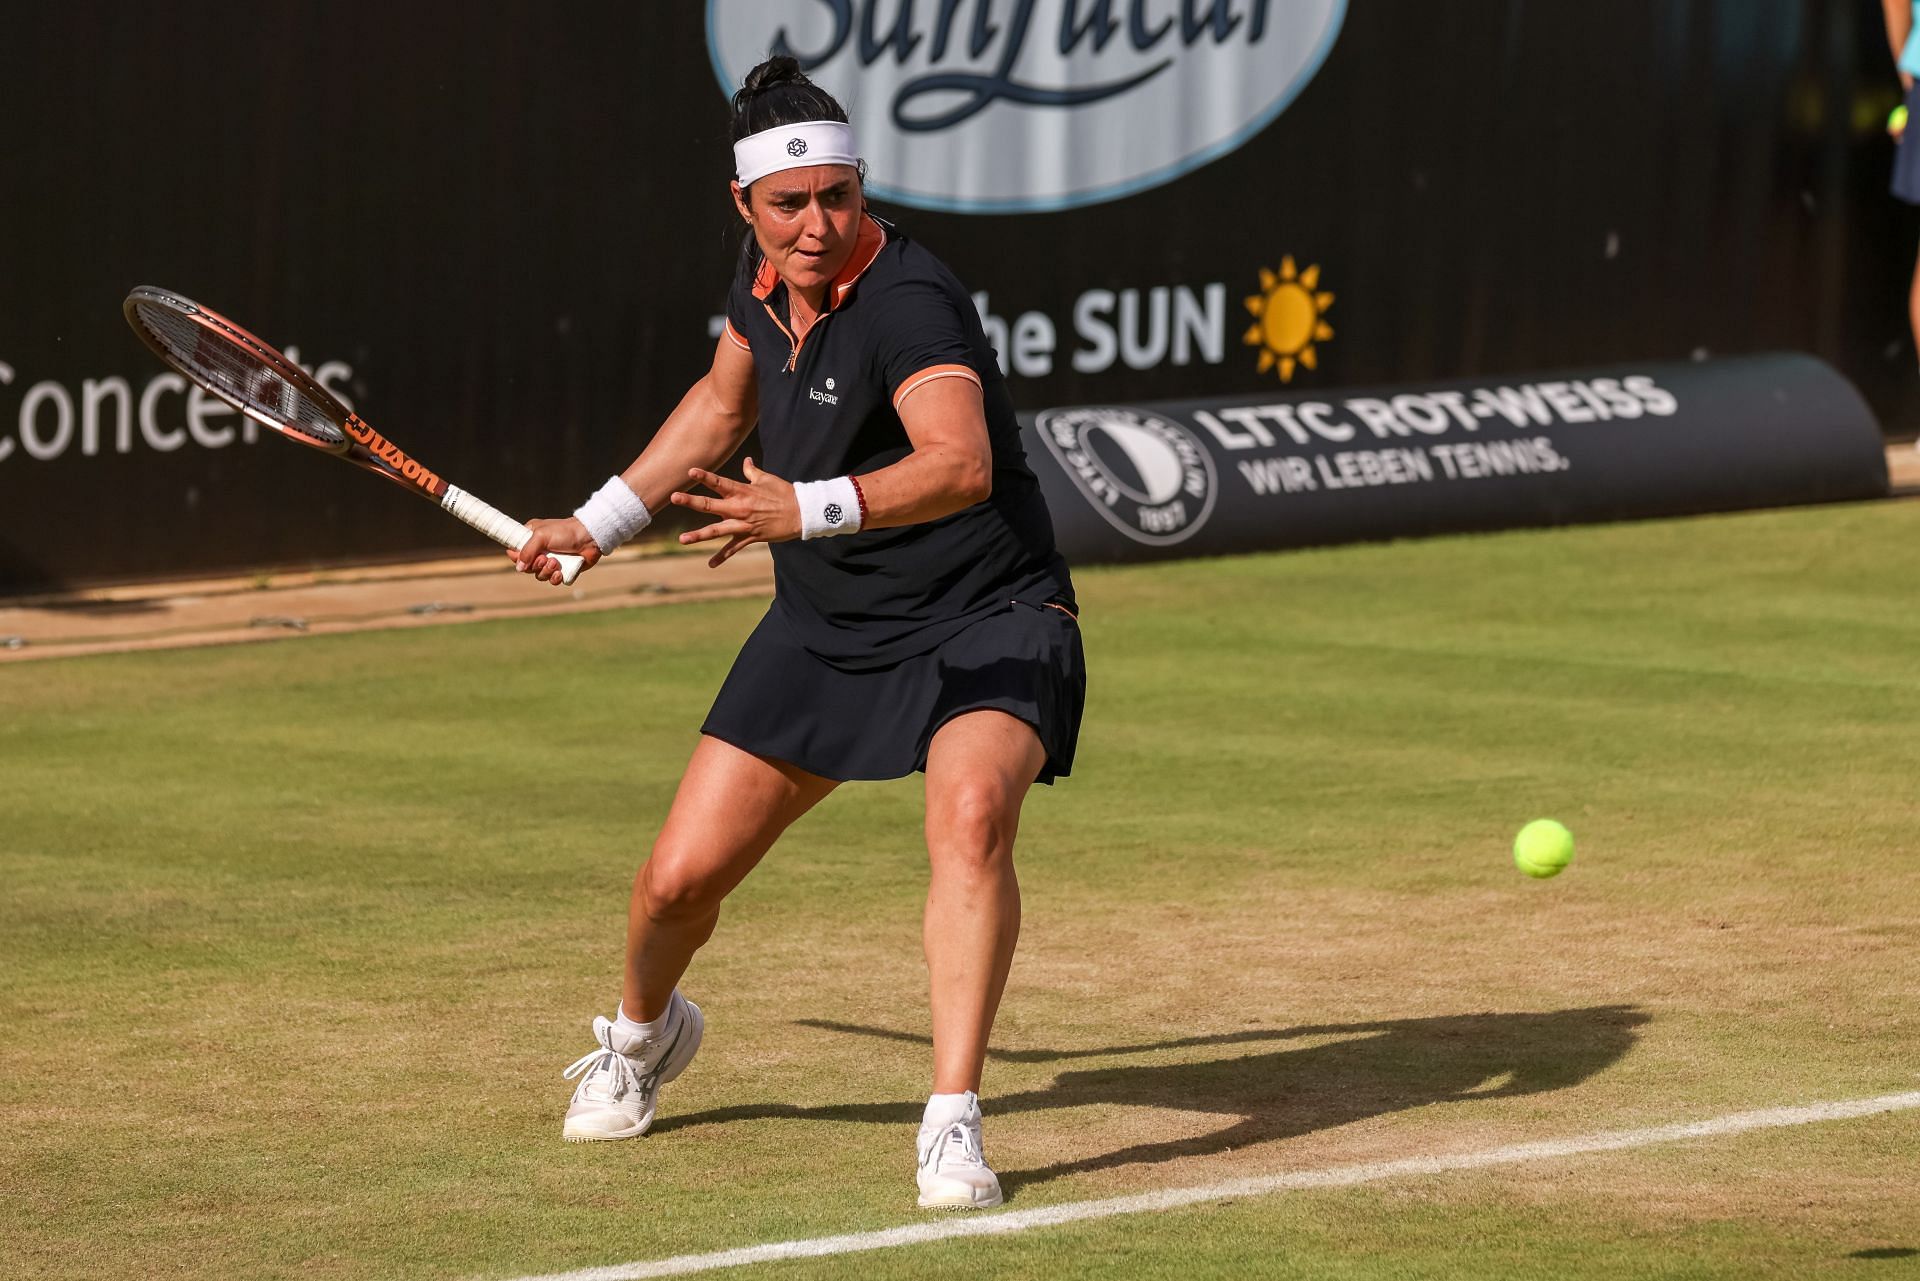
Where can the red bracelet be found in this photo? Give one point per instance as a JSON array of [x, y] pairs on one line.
[[860, 494]]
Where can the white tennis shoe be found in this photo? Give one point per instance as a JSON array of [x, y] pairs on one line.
[[953, 1168], [620, 1080]]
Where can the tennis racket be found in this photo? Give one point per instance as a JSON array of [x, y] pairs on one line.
[[274, 392]]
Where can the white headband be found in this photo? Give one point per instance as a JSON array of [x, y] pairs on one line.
[[814, 142]]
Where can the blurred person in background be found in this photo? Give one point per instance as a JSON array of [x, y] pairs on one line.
[[1903, 37]]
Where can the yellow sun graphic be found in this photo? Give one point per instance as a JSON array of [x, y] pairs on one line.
[[1287, 318]]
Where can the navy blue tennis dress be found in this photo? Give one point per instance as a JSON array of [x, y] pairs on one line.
[[877, 639]]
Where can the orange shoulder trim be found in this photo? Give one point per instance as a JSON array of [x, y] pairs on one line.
[[931, 374]]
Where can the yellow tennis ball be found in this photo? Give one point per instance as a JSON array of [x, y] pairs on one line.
[[1897, 122], [1543, 848]]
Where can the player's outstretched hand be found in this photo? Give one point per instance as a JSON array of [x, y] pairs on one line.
[[564, 535], [761, 509]]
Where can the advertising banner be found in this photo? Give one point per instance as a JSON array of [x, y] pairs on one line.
[[505, 237], [1241, 474]]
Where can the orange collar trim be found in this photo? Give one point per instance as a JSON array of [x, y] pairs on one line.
[[867, 244]]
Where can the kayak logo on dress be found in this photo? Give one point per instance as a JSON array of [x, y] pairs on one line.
[[823, 397], [991, 106], [1147, 475]]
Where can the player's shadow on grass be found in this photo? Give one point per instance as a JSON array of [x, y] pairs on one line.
[[1344, 1073]]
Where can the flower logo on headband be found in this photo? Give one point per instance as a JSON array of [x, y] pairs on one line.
[[797, 147]]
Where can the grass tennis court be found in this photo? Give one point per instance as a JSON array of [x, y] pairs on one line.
[[299, 936]]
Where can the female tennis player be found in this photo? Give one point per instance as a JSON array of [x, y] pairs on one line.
[[922, 619]]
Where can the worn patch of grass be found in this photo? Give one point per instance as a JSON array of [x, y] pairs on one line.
[[298, 936]]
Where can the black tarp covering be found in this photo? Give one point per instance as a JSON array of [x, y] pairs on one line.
[[1237, 474], [504, 229]]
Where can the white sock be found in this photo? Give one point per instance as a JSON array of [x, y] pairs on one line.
[[944, 1109], [642, 1031]]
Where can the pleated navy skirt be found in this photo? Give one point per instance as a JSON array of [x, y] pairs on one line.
[[783, 702], [1906, 156]]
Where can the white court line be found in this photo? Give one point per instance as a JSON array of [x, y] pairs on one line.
[[1339, 1176]]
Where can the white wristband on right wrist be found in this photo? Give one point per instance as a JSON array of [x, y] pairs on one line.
[[613, 514], [828, 507]]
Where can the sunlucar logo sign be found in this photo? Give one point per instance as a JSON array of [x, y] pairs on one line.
[[995, 106]]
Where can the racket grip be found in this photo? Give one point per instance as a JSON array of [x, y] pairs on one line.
[[502, 528]]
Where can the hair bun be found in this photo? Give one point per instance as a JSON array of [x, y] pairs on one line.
[[780, 69], [777, 92]]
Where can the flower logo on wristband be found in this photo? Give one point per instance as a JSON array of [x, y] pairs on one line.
[[833, 513]]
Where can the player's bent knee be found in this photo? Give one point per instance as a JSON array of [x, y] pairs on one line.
[[971, 830], [676, 888]]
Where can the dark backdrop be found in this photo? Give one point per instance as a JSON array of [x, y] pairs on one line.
[[511, 223]]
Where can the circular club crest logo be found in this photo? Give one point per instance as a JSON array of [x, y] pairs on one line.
[[1150, 477], [972, 106]]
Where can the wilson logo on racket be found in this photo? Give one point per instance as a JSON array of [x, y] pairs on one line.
[[392, 455]]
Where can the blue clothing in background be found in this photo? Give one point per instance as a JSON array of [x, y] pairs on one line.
[[1906, 156], [1910, 56]]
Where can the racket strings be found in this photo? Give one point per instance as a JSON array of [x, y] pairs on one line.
[[229, 364]]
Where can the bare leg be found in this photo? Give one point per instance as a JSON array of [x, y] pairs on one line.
[[978, 770], [1913, 302], [731, 807]]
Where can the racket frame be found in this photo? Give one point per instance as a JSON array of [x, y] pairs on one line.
[[359, 444]]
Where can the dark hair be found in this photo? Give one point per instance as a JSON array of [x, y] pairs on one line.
[[778, 93]]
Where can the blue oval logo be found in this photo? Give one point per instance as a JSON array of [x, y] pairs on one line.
[[968, 106]]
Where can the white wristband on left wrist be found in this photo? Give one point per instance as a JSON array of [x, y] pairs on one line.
[[828, 508]]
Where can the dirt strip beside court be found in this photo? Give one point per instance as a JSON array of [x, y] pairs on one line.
[[1903, 469], [276, 607]]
